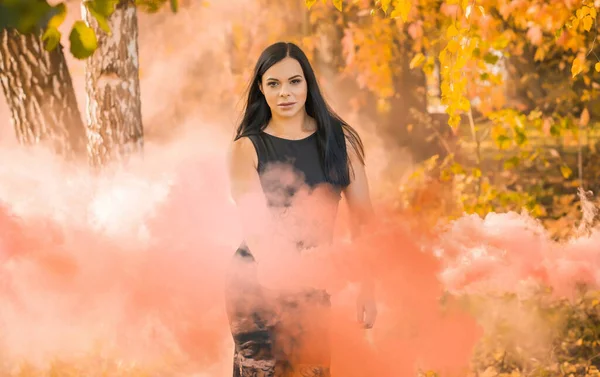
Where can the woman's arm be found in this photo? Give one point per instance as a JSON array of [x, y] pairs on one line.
[[357, 195], [246, 191], [361, 213]]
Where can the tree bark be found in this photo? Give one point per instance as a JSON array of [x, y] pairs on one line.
[[403, 125], [328, 52], [38, 87], [114, 111]]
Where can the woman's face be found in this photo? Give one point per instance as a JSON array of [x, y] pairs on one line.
[[284, 88]]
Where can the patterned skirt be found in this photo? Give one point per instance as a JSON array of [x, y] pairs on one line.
[[276, 335]]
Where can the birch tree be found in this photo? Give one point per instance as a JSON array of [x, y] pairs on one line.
[[114, 111], [37, 84]]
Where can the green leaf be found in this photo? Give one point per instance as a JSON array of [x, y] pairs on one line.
[[511, 163], [501, 140], [558, 33], [103, 7], [83, 40], [101, 10], [501, 42], [24, 15], [51, 37], [490, 58], [8, 16], [150, 6], [59, 14], [520, 136]]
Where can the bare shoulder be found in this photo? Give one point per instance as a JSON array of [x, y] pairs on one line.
[[354, 146], [243, 161], [242, 152]]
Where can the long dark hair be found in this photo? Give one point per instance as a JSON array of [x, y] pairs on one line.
[[332, 131]]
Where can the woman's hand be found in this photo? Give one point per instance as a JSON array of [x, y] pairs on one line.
[[366, 308]]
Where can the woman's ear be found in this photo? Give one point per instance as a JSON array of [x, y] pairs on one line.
[[260, 88]]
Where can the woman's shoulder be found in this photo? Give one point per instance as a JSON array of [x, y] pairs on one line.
[[354, 145], [242, 150]]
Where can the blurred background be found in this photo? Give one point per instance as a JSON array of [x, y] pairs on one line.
[[528, 141]]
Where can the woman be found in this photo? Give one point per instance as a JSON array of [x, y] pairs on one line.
[[288, 123]]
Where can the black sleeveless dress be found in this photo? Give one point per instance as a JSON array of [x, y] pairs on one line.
[[278, 335]]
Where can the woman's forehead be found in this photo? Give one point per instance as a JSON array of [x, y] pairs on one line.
[[284, 70]]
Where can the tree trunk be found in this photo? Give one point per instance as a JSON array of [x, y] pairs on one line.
[[114, 111], [328, 51], [38, 87], [403, 125]]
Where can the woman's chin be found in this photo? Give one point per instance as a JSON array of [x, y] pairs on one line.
[[291, 113]]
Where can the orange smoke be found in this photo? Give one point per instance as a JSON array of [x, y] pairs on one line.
[[135, 261]]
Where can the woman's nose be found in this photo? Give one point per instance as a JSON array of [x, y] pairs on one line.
[[284, 91]]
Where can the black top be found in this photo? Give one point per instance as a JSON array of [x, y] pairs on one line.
[[295, 186], [275, 158]]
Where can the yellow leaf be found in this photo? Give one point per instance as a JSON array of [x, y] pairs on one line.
[[401, 9], [59, 16], [385, 5], [566, 171], [429, 66], [454, 121], [577, 66], [579, 341], [468, 12], [452, 31], [481, 10], [593, 12], [338, 4], [310, 3], [452, 46], [597, 67], [443, 57], [540, 53], [587, 23], [417, 60], [464, 4]]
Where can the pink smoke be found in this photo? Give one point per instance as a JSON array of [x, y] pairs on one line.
[[135, 261], [514, 253]]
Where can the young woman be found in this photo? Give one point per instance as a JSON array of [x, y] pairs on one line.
[[288, 123]]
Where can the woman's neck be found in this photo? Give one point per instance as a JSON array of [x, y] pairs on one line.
[[295, 127]]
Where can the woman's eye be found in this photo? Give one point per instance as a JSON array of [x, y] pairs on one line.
[[272, 84], [296, 81]]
